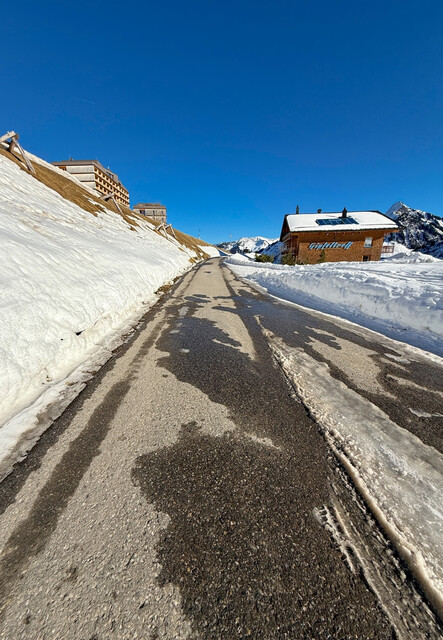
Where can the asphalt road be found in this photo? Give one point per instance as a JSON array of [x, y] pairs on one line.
[[179, 495]]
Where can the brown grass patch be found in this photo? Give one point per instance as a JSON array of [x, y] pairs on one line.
[[192, 243], [163, 289], [71, 191]]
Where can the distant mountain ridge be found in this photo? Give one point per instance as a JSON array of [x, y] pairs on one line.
[[419, 230], [255, 244]]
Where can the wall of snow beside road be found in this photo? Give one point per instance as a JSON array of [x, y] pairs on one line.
[[69, 282], [210, 250], [400, 297]]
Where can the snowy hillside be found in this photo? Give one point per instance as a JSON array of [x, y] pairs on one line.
[[419, 230], [275, 250], [72, 280], [255, 244]]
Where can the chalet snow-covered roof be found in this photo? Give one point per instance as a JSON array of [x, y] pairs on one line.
[[334, 221]]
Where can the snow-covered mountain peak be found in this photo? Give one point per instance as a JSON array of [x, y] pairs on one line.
[[247, 245], [392, 212], [419, 230]]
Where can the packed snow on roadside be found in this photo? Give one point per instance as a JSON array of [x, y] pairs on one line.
[[400, 297], [70, 285], [400, 477]]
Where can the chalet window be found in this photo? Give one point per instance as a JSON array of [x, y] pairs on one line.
[[366, 258], [368, 242]]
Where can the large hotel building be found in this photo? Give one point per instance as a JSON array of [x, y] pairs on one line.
[[335, 237], [93, 174]]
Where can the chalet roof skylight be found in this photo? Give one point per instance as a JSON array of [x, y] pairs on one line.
[[336, 221]]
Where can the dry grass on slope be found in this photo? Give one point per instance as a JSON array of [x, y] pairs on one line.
[[70, 190], [74, 192], [192, 243]]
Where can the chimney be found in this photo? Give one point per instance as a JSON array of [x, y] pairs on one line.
[[297, 210], [344, 213], [318, 210]]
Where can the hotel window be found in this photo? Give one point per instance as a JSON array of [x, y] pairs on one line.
[[368, 242]]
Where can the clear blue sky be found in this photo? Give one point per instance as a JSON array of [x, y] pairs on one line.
[[232, 112]]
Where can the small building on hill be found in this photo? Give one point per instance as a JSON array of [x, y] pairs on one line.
[[153, 210], [353, 236], [94, 175]]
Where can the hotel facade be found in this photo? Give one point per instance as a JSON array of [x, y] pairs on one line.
[[94, 175]]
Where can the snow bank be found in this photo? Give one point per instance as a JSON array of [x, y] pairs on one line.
[[412, 257], [400, 297], [210, 250], [69, 282]]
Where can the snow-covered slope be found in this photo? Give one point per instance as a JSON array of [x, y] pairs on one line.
[[419, 230], [71, 281], [255, 244], [274, 249]]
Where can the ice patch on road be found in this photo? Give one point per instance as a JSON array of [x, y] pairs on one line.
[[363, 370], [400, 359], [265, 442], [424, 414]]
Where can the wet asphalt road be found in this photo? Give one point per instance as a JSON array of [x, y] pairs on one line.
[[175, 497]]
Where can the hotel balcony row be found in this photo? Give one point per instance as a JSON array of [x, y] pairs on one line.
[[94, 175]]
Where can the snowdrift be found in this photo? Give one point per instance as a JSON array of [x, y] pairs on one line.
[[400, 297], [73, 279]]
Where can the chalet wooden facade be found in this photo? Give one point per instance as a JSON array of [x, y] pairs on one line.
[[354, 236], [94, 175]]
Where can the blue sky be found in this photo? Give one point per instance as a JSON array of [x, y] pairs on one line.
[[233, 112]]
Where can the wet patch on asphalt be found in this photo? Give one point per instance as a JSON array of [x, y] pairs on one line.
[[243, 546], [255, 392]]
